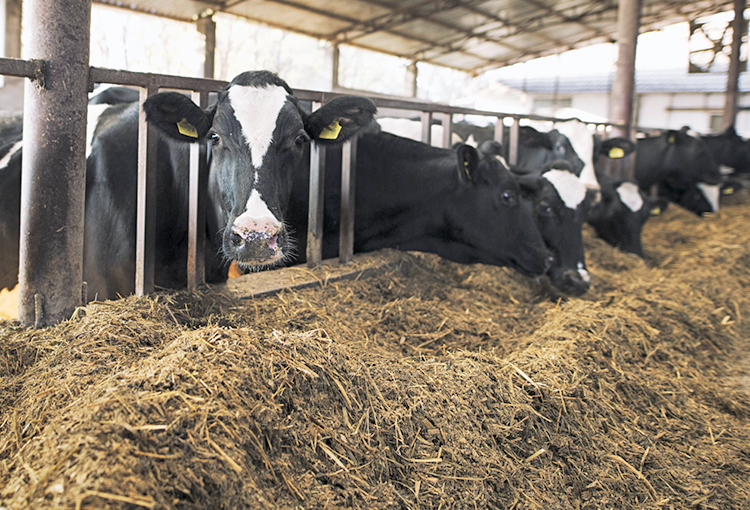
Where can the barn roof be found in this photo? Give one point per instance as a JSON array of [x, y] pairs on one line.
[[468, 35]]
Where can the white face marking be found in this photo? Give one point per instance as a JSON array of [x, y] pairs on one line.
[[6, 159], [630, 196], [502, 162], [471, 141], [257, 110], [257, 216], [92, 119], [726, 170], [711, 192], [581, 138], [585, 276], [568, 186]]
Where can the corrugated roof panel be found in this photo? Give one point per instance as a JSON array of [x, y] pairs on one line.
[[475, 35]]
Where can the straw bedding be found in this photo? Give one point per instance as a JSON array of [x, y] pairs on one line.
[[432, 385]]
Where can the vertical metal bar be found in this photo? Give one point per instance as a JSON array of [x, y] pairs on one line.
[[315, 209], [410, 85], [145, 240], [427, 127], [738, 30], [515, 131], [499, 134], [196, 264], [54, 163], [623, 85], [447, 119], [207, 27], [348, 173]]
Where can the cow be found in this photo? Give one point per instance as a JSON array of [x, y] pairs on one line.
[[457, 203], [11, 136], [618, 217], [730, 151], [681, 168], [256, 133]]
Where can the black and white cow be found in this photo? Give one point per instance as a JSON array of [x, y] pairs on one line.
[[457, 203], [11, 136], [256, 133], [680, 165], [730, 151], [537, 149], [623, 209]]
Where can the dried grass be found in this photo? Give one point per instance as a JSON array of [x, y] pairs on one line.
[[433, 386]]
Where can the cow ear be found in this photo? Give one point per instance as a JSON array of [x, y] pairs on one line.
[[468, 161], [177, 116], [340, 119], [616, 148], [657, 205], [530, 183]]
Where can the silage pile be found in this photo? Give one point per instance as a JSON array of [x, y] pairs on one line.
[[433, 385]]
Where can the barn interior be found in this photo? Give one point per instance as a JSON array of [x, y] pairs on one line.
[[420, 383]]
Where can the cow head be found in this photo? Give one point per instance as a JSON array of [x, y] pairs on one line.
[[256, 133], [618, 218], [561, 204], [730, 150], [487, 218], [537, 149]]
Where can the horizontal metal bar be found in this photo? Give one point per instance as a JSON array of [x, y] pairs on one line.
[[152, 80], [33, 69]]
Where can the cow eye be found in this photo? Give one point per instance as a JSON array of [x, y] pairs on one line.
[[215, 138], [545, 208], [508, 198], [301, 139]]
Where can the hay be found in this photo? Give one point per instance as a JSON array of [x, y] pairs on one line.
[[433, 386]]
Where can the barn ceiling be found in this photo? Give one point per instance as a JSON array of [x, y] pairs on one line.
[[468, 35]]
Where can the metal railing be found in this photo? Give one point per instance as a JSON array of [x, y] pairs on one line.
[[200, 88]]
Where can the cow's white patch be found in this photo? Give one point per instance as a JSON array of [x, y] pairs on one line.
[[630, 196], [711, 192], [581, 137], [6, 159], [726, 170], [503, 162], [472, 141], [257, 110], [568, 186], [585, 276], [257, 216], [92, 119]]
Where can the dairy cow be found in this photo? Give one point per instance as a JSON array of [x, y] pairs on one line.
[[457, 203], [730, 151], [11, 135], [256, 133], [681, 167]]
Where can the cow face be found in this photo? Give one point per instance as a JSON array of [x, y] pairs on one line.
[[729, 150], [256, 133], [537, 150], [487, 214], [619, 217], [561, 204]]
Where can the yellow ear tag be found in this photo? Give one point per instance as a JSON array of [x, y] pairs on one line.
[[671, 139], [466, 170], [656, 211], [331, 132], [727, 191], [187, 129], [616, 153]]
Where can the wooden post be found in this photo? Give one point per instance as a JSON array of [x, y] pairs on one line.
[[738, 29]]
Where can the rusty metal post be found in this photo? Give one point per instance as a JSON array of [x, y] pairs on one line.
[[348, 173], [145, 238], [427, 127], [623, 86], [207, 27], [54, 162], [196, 265], [738, 30], [410, 85], [316, 205]]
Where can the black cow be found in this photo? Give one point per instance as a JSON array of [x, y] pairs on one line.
[[618, 217], [11, 135], [457, 203], [256, 134], [681, 167], [729, 150], [538, 149]]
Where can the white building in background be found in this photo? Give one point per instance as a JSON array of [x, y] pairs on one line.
[[669, 98]]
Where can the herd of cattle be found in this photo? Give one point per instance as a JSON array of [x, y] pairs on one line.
[[463, 203]]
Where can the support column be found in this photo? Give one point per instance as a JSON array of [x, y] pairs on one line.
[[332, 62], [411, 80], [54, 163], [623, 87], [733, 76], [207, 27]]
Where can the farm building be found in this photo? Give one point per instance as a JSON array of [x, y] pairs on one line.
[[454, 372]]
